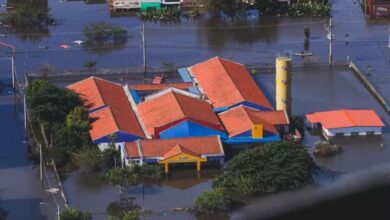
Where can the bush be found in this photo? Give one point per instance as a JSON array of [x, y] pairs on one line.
[[27, 15], [102, 31], [170, 14], [126, 176], [121, 177], [267, 168], [323, 148], [49, 104], [123, 209], [215, 201], [310, 7], [75, 214], [88, 160]]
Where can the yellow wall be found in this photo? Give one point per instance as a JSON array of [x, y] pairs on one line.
[[283, 84], [257, 131]]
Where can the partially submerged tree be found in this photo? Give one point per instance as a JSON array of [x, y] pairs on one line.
[[49, 104], [271, 167], [215, 201], [27, 15], [75, 214]]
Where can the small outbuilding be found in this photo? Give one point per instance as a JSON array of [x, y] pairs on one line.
[[246, 125], [174, 151], [346, 122]]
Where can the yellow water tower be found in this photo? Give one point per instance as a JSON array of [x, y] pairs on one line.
[[283, 84]]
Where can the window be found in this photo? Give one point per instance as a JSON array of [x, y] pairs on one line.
[[370, 132], [354, 133], [339, 134]]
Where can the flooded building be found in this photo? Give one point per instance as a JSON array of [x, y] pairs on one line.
[[110, 111], [174, 151], [346, 122], [227, 84], [173, 113], [247, 125]]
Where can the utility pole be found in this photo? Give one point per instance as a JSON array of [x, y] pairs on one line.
[[40, 163], [365, 8], [330, 38], [144, 50], [13, 72], [389, 38]]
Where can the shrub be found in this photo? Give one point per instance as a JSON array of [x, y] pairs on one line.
[[123, 209], [75, 214], [88, 160], [164, 15], [310, 7], [27, 15], [323, 148], [121, 177], [268, 168], [49, 104], [215, 201], [102, 31]]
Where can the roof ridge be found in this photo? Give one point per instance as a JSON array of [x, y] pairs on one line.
[[98, 89], [113, 116], [349, 117], [230, 78], [179, 104]]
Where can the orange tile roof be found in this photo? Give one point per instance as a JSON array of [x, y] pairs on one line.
[[228, 83], [156, 87], [107, 121], [172, 107], [178, 149], [278, 117], [346, 118], [99, 93], [165, 147], [240, 119]]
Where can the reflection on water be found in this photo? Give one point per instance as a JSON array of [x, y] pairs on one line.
[[177, 190]]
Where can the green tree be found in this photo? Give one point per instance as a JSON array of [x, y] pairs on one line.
[[121, 177], [75, 214], [79, 115], [228, 7], [72, 138], [49, 104], [28, 15], [88, 160], [90, 65], [215, 201], [102, 31], [268, 168], [124, 209]]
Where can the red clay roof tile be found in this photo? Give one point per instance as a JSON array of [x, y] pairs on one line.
[[99, 93], [346, 118], [240, 119], [161, 147], [228, 83], [172, 107]]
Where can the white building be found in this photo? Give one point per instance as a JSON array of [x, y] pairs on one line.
[[346, 123]]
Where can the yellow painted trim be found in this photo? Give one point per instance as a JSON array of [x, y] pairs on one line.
[[183, 158]]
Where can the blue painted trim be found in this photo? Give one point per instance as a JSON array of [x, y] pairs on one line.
[[221, 109], [190, 129], [248, 140], [97, 109], [121, 137], [135, 96], [184, 74]]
